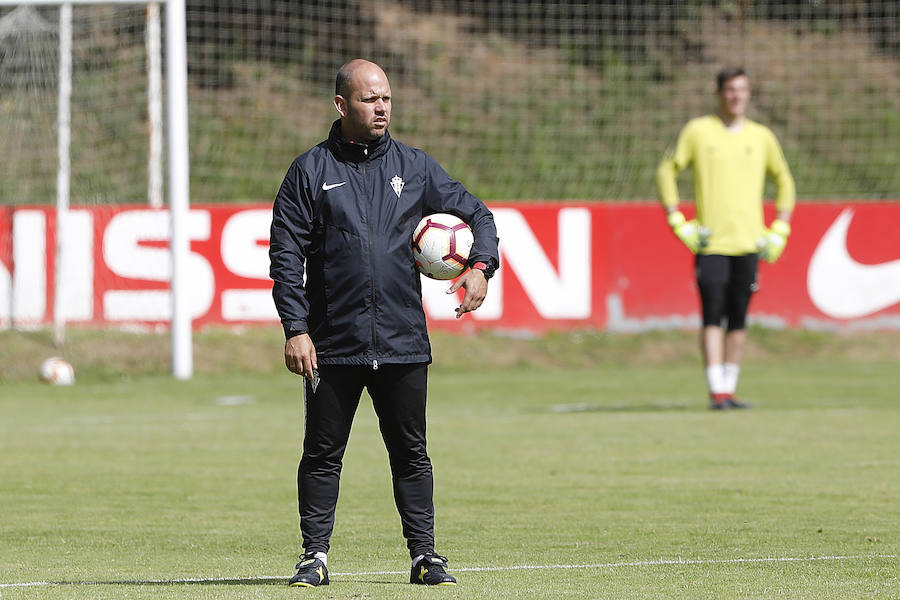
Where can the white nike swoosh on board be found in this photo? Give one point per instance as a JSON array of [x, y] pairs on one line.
[[841, 287], [328, 186]]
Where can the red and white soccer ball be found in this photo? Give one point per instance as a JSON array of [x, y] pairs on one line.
[[57, 371], [441, 244]]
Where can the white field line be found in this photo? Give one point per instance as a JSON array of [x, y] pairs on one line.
[[642, 563]]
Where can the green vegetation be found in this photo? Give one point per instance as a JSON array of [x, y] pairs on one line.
[[571, 449], [569, 101], [110, 355]]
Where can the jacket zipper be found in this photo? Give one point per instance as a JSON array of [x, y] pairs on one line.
[[365, 171]]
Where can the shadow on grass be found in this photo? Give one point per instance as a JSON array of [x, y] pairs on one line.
[[200, 582], [175, 582], [637, 408]]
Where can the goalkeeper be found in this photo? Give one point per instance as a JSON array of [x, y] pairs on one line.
[[730, 156]]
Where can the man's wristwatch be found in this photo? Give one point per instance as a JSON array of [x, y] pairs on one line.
[[484, 268]]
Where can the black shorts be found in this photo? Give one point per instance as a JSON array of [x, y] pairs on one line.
[[726, 284]]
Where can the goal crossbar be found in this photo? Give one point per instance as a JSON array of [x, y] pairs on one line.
[[59, 3]]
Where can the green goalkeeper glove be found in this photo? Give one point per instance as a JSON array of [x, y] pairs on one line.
[[694, 235], [772, 243]]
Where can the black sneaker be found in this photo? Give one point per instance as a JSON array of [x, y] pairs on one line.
[[732, 402], [717, 403], [311, 572], [429, 570]]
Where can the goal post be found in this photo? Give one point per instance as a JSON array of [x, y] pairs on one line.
[[179, 186], [63, 158], [177, 159]]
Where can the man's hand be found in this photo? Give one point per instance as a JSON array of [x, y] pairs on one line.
[[300, 355], [773, 241], [694, 235], [476, 286]]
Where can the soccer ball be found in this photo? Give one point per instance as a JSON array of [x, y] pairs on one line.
[[57, 371], [441, 244]]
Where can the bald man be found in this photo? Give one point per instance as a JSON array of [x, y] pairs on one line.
[[350, 301]]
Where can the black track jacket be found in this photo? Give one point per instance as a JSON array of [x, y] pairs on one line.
[[344, 218]]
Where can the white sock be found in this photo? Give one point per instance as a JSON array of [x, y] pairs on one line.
[[730, 373], [417, 559], [323, 557], [715, 379]]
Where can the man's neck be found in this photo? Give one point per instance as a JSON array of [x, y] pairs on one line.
[[353, 139], [732, 122]]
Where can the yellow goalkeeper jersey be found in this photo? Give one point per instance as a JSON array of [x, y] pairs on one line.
[[729, 179]]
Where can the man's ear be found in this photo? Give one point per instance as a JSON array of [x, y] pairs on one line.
[[340, 104]]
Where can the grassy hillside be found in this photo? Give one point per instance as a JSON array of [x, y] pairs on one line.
[[506, 108]]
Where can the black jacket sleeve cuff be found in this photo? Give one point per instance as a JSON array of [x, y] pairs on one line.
[[292, 328]]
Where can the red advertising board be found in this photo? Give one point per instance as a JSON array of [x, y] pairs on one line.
[[564, 266]]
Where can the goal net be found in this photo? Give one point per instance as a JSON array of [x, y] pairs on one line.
[[109, 104], [86, 79]]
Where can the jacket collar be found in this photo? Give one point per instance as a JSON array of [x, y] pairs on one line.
[[346, 150]]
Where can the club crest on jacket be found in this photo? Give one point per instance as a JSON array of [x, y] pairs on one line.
[[397, 184]]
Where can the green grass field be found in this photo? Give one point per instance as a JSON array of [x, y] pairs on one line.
[[605, 480]]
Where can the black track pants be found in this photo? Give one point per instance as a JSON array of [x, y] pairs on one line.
[[398, 394]]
